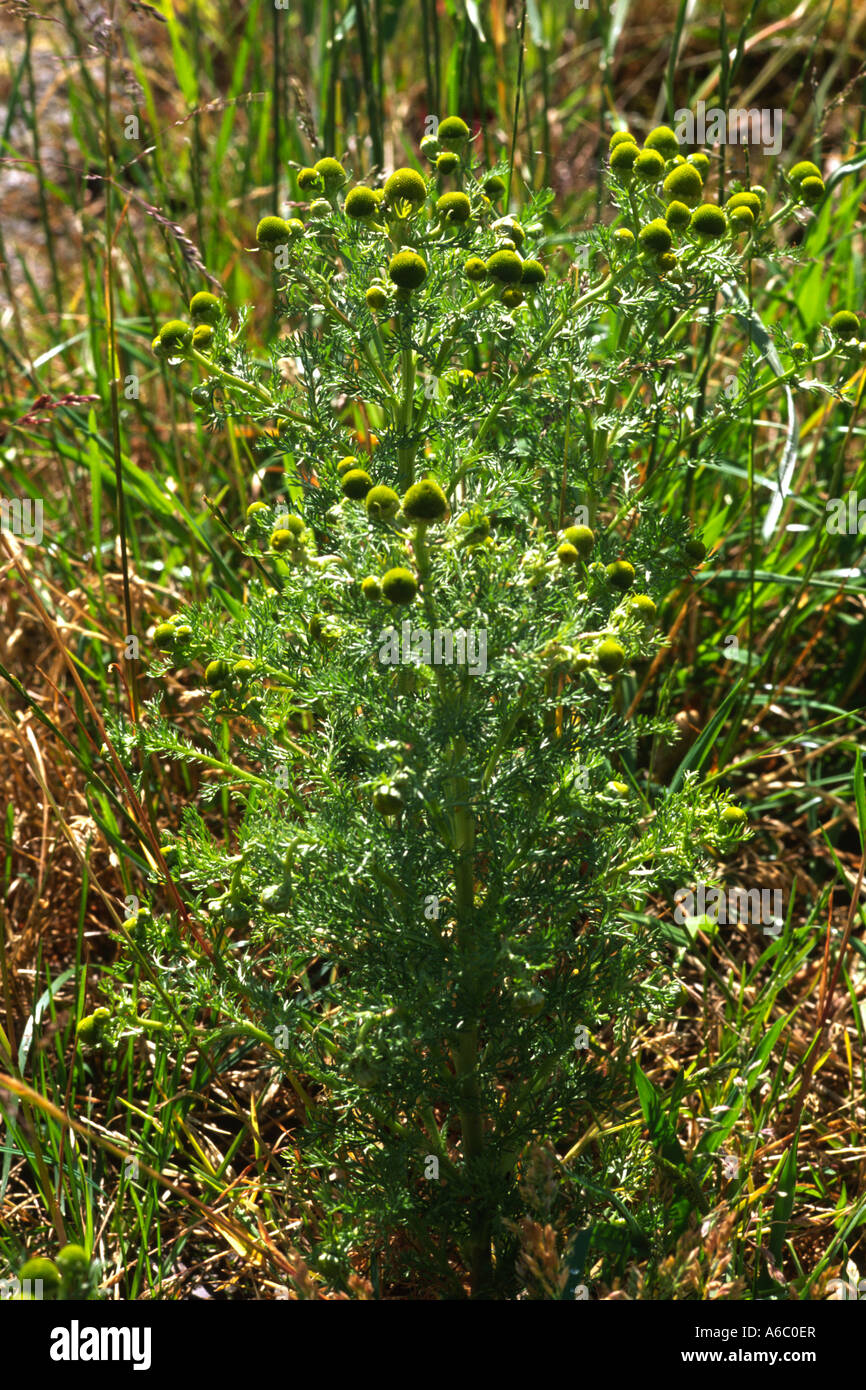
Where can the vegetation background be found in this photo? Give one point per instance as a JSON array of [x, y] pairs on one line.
[[140, 146]]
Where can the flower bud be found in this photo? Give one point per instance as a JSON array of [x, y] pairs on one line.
[[309, 181], [655, 237], [405, 186], [677, 216], [202, 337], [475, 269], [382, 503], [683, 184], [621, 137], [664, 140], [376, 298], [425, 501], [609, 656], [407, 269], [356, 484], [430, 147], [845, 325], [204, 307], [399, 585], [217, 674], [643, 604], [175, 337], [454, 207], [506, 267], [371, 589], [709, 222], [581, 537], [533, 273], [360, 202], [620, 574], [447, 162], [623, 158], [453, 132], [273, 232], [649, 166], [331, 172], [695, 550]]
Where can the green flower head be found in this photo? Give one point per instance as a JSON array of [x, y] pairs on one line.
[[356, 484], [741, 219], [430, 147], [406, 186], [512, 298], [425, 501], [475, 269], [319, 208], [73, 1263], [447, 162], [684, 184], [202, 336], [709, 221], [621, 137], [331, 172], [664, 140], [509, 229], [581, 537], [655, 237], [745, 200], [494, 186], [701, 161], [175, 337], [165, 636], [204, 307], [609, 656], [360, 202], [733, 816], [387, 798], [677, 216], [506, 267], [346, 464], [620, 574], [217, 674], [624, 237], [382, 503], [376, 298], [567, 554], [41, 1268], [805, 169], [812, 191], [371, 589], [309, 180], [408, 270], [643, 604], [453, 131], [533, 273], [695, 550], [399, 585], [845, 325], [454, 207], [624, 157], [273, 232], [649, 166]]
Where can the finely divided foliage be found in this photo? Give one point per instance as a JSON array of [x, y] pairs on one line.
[[416, 883]]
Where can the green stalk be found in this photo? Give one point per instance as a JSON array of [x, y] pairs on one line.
[[466, 1058], [406, 451]]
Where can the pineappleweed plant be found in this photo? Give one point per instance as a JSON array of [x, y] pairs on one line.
[[415, 873]]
